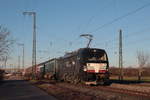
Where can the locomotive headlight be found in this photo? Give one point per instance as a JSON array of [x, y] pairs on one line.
[[73, 62], [94, 50], [85, 68]]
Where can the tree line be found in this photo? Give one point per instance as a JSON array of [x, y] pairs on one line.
[[131, 72], [5, 46]]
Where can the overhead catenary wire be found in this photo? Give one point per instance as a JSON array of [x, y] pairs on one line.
[[137, 41], [120, 17], [126, 36], [105, 5], [71, 43], [87, 24]]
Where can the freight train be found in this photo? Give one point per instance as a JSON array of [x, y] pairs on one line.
[[86, 65]]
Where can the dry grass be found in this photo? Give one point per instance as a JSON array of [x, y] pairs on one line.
[[133, 78]]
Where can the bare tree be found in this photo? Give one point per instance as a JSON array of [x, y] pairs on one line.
[[5, 43], [148, 64], [142, 61]]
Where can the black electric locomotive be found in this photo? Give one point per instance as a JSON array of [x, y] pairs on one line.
[[88, 65]]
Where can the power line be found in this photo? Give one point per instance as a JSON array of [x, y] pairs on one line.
[[121, 17], [134, 42], [126, 36], [138, 41], [137, 33], [84, 28], [88, 22]]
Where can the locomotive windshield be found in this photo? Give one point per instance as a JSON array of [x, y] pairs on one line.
[[94, 55]]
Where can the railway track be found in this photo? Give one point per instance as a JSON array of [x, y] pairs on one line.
[[112, 90], [144, 85], [102, 91], [117, 90], [123, 91]]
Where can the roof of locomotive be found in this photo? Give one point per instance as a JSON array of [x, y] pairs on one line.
[[69, 54], [81, 49]]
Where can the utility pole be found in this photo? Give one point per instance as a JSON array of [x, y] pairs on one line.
[[21, 44], [23, 57], [120, 56], [34, 41], [18, 63], [5, 62], [50, 50], [11, 69]]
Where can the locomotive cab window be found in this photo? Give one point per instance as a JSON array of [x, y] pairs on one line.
[[68, 64], [94, 55]]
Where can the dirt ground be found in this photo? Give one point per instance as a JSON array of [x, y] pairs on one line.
[[62, 93]]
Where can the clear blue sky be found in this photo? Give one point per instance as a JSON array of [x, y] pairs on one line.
[[60, 22]]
